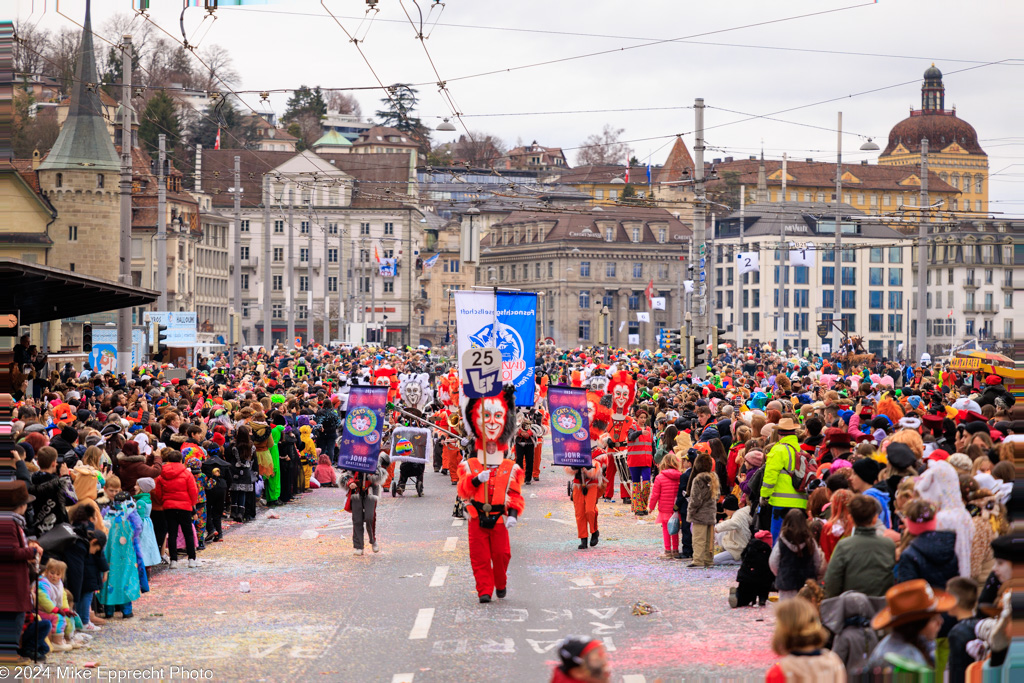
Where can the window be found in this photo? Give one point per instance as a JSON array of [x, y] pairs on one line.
[[876, 255], [608, 300], [332, 284], [609, 269], [828, 255], [801, 298], [1008, 300], [895, 301], [849, 255], [609, 234], [364, 228], [1007, 328], [875, 299], [584, 299], [303, 283], [634, 302], [501, 273], [244, 253], [584, 268], [662, 235], [828, 275], [536, 270], [849, 276], [638, 271], [302, 311], [304, 227], [663, 272], [364, 284], [584, 330], [988, 276], [895, 322], [332, 255], [613, 194], [72, 233], [279, 227], [850, 321], [785, 275], [876, 276], [875, 322], [245, 226], [895, 277], [801, 275], [303, 254], [58, 180], [551, 269], [635, 234], [245, 280], [828, 298], [277, 283], [277, 311], [389, 228], [849, 298], [988, 302], [389, 286], [332, 228], [895, 254], [453, 266], [364, 255], [598, 194]]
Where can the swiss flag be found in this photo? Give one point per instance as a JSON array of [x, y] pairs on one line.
[[649, 292], [216, 143]]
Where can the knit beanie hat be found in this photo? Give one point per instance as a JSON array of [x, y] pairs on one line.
[[866, 469]]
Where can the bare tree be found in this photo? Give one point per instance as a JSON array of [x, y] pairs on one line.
[[344, 103], [62, 57], [221, 72], [603, 148], [30, 49], [479, 149]]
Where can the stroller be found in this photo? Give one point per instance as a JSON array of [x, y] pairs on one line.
[[410, 447]]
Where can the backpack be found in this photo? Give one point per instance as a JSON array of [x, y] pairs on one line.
[[803, 469]]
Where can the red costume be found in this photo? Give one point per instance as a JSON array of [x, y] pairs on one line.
[[494, 490]]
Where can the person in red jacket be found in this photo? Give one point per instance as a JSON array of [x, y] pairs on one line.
[[16, 552], [177, 494], [492, 483]]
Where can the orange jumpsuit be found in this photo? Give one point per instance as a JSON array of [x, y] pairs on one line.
[[585, 503], [489, 549], [451, 457]]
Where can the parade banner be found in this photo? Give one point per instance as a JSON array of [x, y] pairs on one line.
[[361, 431], [570, 426], [506, 321]]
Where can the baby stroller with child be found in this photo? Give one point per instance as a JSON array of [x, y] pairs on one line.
[[410, 447]]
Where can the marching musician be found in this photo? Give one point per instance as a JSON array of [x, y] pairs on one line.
[[492, 484]]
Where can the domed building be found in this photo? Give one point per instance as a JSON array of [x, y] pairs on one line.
[[953, 149]]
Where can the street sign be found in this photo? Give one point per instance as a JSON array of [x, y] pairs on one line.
[[823, 330], [103, 358], [481, 372]]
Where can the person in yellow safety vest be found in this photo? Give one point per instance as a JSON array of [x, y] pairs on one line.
[[777, 489]]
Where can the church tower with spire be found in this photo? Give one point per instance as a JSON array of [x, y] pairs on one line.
[[80, 177]]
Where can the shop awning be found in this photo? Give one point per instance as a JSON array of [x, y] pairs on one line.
[[39, 293]]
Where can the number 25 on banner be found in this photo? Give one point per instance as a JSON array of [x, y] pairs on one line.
[[481, 372]]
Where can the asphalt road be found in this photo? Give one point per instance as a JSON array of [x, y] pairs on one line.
[[410, 613]]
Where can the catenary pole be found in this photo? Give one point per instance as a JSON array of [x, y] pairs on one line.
[[124, 315]]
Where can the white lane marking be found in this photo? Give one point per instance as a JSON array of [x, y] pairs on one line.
[[562, 521], [440, 574], [609, 645], [634, 678], [457, 522], [449, 544], [421, 627], [542, 630], [402, 678], [583, 581]]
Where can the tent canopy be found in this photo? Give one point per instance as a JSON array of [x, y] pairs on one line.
[[39, 293]]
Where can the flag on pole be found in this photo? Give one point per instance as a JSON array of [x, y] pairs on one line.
[[375, 254], [748, 262], [688, 286], [648, 175], [429, 263], [216, 143], [643, 317], [658, 303], [649, 292], [627, 172]]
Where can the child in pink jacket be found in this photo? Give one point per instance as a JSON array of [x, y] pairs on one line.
[[663, 499]]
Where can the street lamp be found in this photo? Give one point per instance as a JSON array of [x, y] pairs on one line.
[[446, 126], [869, 146]]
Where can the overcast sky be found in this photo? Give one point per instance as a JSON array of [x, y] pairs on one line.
[[281, 45]]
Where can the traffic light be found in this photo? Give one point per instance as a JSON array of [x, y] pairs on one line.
[[716, 336], [699, 352], [158, 338], [87, 337], [668, 339], [236, 328]]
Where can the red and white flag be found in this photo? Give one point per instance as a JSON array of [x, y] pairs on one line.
[[627, 171], [216, 143], [649, 293]]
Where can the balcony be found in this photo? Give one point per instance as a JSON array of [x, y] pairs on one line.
[[971, 283], [305, 264], [251, 262], [989, 309], [1008, 285]]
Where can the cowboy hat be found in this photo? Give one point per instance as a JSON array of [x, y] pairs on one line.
[[787, 425], [14, 494], [910, 601]]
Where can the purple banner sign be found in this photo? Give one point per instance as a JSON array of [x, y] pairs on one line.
[[361, 432], [570, 426]]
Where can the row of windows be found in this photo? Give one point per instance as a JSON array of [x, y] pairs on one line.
[[970, 253], [873, 200], [522, 271], [332, 228], [514, 235]]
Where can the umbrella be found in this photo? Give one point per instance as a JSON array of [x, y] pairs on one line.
[[991, 357]]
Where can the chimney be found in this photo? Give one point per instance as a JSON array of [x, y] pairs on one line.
[[199, 169], [36, 158], [864, 162], [809, 160], [752, 157], [728, 160], [717, 161]]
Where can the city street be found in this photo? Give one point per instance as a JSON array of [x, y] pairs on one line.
[[316, 612]]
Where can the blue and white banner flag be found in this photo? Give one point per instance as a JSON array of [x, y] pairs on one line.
[[506, 321]]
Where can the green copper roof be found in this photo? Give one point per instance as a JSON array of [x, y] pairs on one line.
[[332, 138], [84, 140]]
